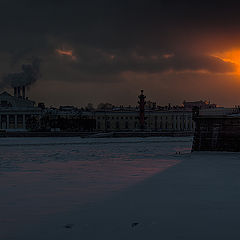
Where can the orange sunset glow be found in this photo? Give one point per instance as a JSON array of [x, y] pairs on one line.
[[232, 56], [66, 53]]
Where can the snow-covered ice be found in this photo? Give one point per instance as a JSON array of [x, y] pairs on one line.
[[126, 188]]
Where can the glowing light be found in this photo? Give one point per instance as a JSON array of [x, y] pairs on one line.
[[232, 56], [66, 53], [168, 55]]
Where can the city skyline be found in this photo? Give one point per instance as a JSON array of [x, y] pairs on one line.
[[103, 51]]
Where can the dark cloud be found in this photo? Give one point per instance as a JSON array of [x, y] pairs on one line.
[[110, 38]]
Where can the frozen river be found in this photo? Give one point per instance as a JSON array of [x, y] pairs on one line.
[[40, 177]]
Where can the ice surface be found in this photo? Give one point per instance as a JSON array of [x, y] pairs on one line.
[[195, 199], [74, 188], [45, 180]]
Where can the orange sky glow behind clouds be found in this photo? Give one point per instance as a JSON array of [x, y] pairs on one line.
[[163, 86], [232, 56], [66, 53]]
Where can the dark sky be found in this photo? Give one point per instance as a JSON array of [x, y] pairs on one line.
[[106, 51]]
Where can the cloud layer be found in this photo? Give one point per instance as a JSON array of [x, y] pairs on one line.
[[118, 42]]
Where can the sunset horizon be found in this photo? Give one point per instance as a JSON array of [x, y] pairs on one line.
[[96, 51]]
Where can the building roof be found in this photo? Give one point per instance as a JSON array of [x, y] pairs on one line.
[[8, 101], [5, 94]]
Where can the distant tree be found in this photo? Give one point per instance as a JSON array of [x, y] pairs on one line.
[[41, 105], [100, 106], [150, 105], [104, 106], [89, 107]]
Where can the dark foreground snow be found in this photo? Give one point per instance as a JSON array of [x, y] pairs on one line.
[[198, 198]]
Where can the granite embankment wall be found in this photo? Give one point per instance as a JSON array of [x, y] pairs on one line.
[[217, 134]]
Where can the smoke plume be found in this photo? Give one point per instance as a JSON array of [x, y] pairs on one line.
[[29, 74]]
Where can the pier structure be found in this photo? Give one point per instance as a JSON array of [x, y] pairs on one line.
[[217, 130]]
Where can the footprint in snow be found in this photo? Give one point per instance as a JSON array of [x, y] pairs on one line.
[[68, 226], [134, 224]]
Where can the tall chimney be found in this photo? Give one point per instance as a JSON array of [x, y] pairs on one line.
[[19, 92], [23, 92], [15, 92]]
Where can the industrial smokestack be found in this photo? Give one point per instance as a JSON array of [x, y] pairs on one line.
[[19, 92], [23, 92], [29, 74], [15, 92]]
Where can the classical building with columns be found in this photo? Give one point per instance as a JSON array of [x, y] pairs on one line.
[[17, 112], [163, 121]]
